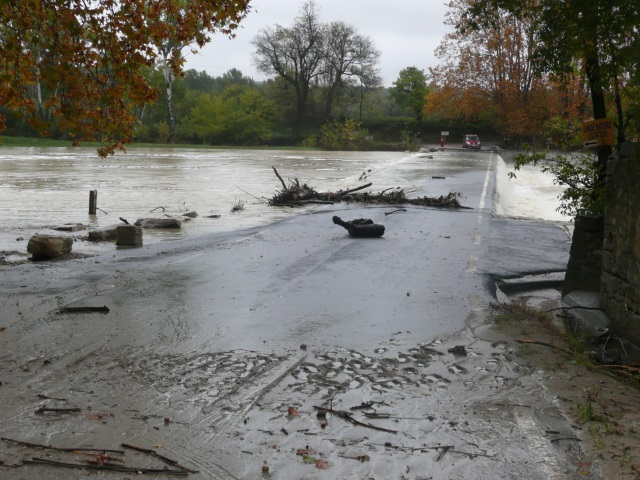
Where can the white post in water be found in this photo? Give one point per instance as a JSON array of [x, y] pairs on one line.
[[93, 201]]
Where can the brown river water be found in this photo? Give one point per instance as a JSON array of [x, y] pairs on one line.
[[41, 188]]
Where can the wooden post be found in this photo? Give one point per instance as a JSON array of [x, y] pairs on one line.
[[93, 201]]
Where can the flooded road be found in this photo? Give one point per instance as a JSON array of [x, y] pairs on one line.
[[219, 346], [45, 187]]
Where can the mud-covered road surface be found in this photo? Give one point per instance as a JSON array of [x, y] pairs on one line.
[[217, 351]]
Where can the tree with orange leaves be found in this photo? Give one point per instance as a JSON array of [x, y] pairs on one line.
[[488, 73], [75, 66]]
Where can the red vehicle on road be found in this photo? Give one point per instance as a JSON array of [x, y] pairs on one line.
[[471, 141]]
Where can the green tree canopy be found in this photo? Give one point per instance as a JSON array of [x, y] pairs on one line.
[[410, 90]]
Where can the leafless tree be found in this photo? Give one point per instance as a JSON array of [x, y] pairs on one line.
[[350, 59], [294, 53], [309, 53]]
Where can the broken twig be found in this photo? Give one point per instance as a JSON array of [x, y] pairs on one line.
[[348, 416], [103, 309], [396, 211], [280, 178], [545, 344], [153, 453], [61, 449], [57, 410], [115, 468]]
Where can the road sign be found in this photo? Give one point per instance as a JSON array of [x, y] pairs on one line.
[[598, 132], [444, 134]]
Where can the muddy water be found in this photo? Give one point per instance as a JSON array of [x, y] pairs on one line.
[[44, 187], [166, 367]]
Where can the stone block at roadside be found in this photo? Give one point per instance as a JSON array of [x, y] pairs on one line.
[[128, 236], [43, 246], [104, 234], [159, 223]]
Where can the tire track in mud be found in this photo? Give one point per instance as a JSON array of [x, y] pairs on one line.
[[487, 409], [224, 413]]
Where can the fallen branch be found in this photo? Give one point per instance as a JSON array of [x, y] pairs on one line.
[[572, 308], [348, 416], [319, 202], [628, 367], [545, 344], [445, 449], [257, 198], [280, 178], [556, 440], [61, 449], [396, 211], [46, 397], [153, 453], [57, 410], [103, 309], [115, 468], [351, 190]]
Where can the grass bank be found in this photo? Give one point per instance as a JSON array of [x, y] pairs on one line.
[[49, 142]]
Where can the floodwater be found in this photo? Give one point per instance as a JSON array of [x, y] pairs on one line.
[[203, 354], [41, 188]]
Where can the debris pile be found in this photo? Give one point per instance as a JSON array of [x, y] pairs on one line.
[[296, 194]]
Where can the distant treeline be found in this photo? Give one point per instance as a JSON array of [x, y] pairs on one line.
[[235, 110]]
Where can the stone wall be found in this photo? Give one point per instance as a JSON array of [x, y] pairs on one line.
[[584, 269], [620, 281]]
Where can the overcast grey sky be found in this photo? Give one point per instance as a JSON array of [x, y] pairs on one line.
[[406, 32]]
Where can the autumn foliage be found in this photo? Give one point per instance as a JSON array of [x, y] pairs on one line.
[[490, 74], [75, 67]]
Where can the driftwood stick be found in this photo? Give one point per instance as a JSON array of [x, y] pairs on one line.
[[545, 344], [115, 468], [628, 367], [445, 449], [57, 410], [351, 190], [348, 417], [279, 177], [396, 211], [572, 308], [151, 211], [153, 453], [46, 397], [61, 449], [103, 309], [244, 191], [320, 202]]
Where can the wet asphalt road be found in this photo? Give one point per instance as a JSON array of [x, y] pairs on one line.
[[280, 291]]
